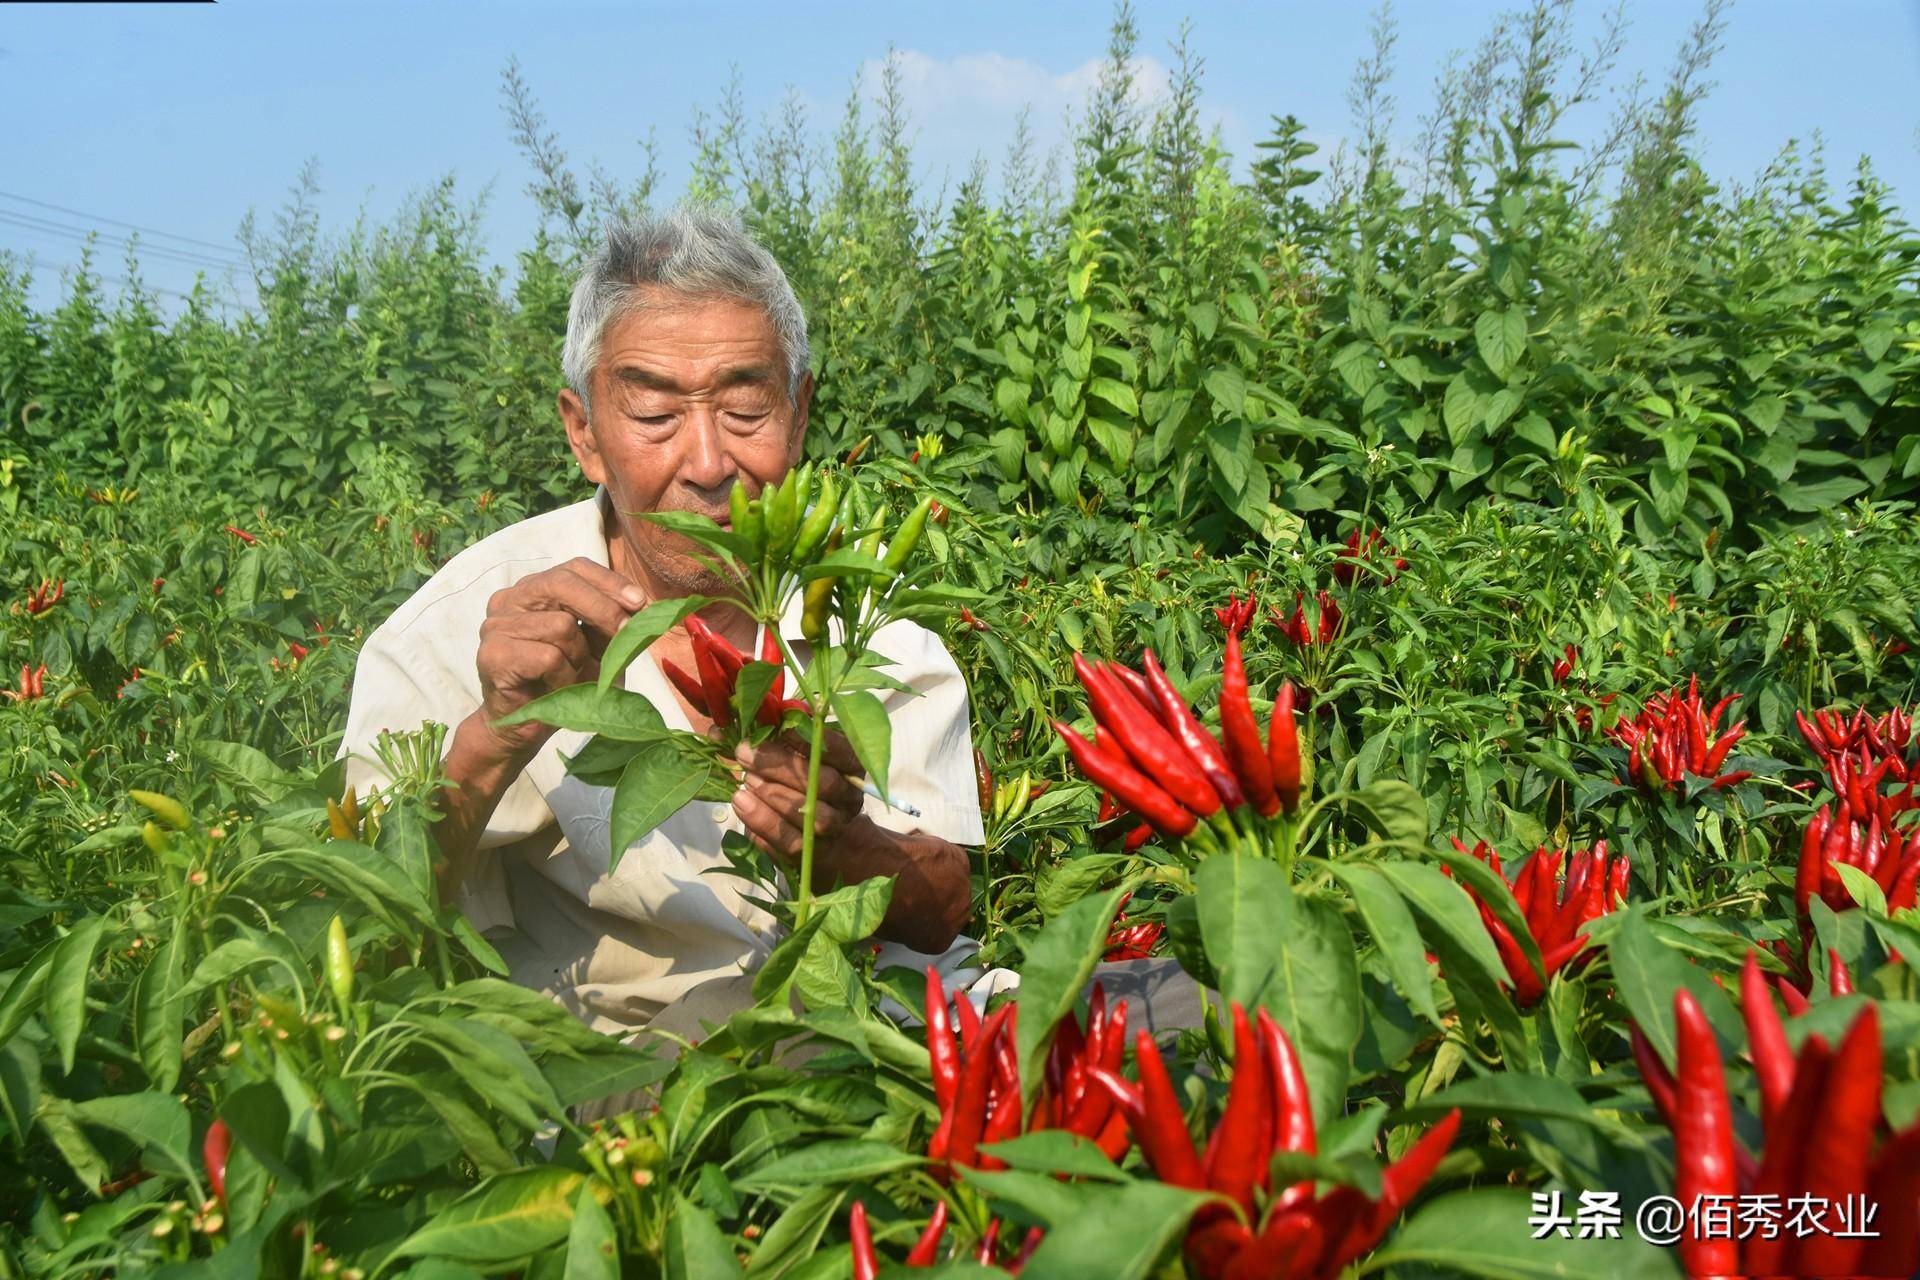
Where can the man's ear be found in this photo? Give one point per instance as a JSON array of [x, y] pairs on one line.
[[580, 436], [802, 402]]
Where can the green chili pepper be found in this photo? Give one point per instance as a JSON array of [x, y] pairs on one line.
[[748, 522], [780, 520], [339, 963], [907, 536], [165, 808], [813, 530]]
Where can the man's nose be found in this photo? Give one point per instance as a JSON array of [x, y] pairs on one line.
[[705, 464]]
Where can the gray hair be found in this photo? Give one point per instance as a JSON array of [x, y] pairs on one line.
[[701, 251]]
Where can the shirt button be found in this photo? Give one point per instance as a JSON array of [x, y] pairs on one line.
[[722, 812]]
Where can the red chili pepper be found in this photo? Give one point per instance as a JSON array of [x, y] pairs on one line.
[[713, 677], [1188, 731], [1703, 1138], [970, 1094], [1153, 750], [689, 687], [1132, 788], [1840, 1145], [241, 534], [865, 1265], [214, 1149], [927, 1248], [1237, 1155], [941, 1049], [1153, 1111], [1283, 750], [1772, 1059], [1242, 734]]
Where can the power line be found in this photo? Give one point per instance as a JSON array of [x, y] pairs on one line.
[[142, 284], [43, 226], [131, 226]]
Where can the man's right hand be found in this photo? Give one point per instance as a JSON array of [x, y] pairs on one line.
[[543, 633]]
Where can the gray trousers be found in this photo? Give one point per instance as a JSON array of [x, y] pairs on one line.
[[1160, 997]]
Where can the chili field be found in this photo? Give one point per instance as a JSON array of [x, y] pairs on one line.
[[1459, 605]]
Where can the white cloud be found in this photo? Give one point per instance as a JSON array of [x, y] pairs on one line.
[[1000, 85]]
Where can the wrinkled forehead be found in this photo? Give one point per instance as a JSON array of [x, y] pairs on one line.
[[671, 341]]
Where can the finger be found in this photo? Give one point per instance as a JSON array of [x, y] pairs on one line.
[[563, 590], [762, 821], [830, 813], [841, 755], [550, 628], [778, 763]]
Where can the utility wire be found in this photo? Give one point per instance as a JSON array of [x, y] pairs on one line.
[[28, 222], [142, 284], [131, 226]]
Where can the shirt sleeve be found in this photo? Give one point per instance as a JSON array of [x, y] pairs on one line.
[[931, 768], [399, 684]]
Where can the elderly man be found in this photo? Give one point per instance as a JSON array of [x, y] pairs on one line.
[[686, 367], [687, 373]]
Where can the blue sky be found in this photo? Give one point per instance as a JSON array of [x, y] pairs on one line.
[[181, 118]]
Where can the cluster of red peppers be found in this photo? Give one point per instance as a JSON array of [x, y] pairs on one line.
[[926, 1250], [1860, 755], [48, 594], [1825, 1140], [1674, 736], [976, 1079], [718, 664], [1303, 632], [1235, 614], [33, 684], [1278, 1233], [1358, 553], [1173, 773], [1129, 836], [1562, 671], [1134, 941], [1557, 910]]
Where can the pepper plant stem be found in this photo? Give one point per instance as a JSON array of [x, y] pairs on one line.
[[816, 749]]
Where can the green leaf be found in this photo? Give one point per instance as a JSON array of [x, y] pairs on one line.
[[158, 1009], [1116, 393], [1501, 338], [824, 1163], [65, 1003], [157, 1123], [1486, 1233], [695, 1248], [593, 1251], [1647, 973], [1059, 964], [1462, 410], [1447, 909], [1117, 1236], [19, 1090], [616, 713], [1393, 931], [1228, 387], [1289, 955], [863, 718], [1395, 808], [1818, 495], [506, 1217], [641, 630], [772, 976], [655, 785], [795, 1234], [1056, 1151], [23, 992]]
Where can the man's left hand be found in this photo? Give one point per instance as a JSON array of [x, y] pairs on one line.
[[772, 797]]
